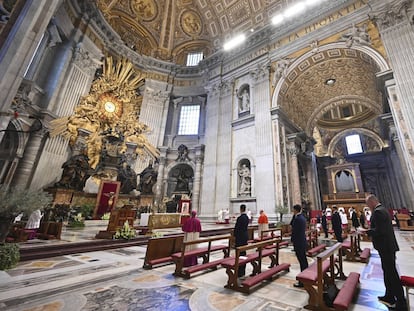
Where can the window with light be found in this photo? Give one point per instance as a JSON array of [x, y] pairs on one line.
[[189, 120], [353, 144], [194, 58]]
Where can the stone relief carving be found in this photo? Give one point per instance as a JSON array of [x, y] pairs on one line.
[[146, 9], [356, 35], [391, 14], [191, 23], [83, 59], [280, 70]]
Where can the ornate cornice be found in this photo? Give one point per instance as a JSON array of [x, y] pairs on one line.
[[391, 14]]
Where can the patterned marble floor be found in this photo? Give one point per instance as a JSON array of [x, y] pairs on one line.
[[115, 280]]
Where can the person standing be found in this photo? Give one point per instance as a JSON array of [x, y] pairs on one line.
[[263, 223], [337, 224], [384, 241], [192, 229], [299, 239], [324, 222], [354, 219], [241, 235]]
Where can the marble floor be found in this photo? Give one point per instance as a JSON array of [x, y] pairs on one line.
[[115, 280]]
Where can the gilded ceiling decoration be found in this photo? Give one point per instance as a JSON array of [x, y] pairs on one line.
[[111, 109], [306, 95], [168, 29]]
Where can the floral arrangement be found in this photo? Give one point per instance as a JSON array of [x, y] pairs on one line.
[[126, 232], [157, 234], [77, 221], [106, 216]]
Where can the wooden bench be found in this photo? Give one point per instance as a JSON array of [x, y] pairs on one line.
[[315, 250], [320, 275], [159, 250], [232, 265], [270, 234], [203, 252], [403, 220], [365, 254], [352, 248], [312, 238]]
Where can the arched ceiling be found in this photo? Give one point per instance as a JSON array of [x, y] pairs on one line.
[[169, 29], [351, 100]]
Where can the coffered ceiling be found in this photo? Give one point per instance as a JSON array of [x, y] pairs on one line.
[[169, 29]]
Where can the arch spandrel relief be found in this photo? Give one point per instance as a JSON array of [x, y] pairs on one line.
[[191, 23], [145, 9]]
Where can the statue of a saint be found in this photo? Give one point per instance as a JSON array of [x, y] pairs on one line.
[[128, 178], [244, 101], [245, 180], [148, 178]]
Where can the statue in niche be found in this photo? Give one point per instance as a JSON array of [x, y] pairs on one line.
[[182, 182], [244, 101], [245, 180]]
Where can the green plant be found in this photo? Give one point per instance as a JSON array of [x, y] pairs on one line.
[[87, 210], [157, 234], [9, 255], [281, 210], [16, 200], [126, 232], [77, 221], [106, 216]]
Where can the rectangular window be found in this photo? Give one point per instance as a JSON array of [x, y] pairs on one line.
[[353, 144], [189, 119], [194, 58]]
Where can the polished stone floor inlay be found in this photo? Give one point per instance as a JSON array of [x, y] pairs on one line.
[[115, 280]]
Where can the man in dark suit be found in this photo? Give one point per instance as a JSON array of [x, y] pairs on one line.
[[241, 235], [299, 239], [383, 240], [337, 224], [324, 223]]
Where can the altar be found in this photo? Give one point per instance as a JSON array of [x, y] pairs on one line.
[[161, 220]]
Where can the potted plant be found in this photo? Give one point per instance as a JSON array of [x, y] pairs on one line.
[[13, 201]]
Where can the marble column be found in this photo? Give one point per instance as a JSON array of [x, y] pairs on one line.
[[24, 171], [209, 190], [199, 156], [265, 180], [396, 31], [294, 172], [160, 177]]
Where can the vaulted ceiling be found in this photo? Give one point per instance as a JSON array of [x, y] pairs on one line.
[[169, 29]]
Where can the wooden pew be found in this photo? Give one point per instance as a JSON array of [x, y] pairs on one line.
[[203, 252], [321, 275], [352, 248], [403, 220], [159, 250], [312, 238], [255, 259]]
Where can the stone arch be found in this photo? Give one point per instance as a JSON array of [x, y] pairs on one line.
[[338, 137], [362, 52]]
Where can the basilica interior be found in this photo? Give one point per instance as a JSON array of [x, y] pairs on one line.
[[148, 103]]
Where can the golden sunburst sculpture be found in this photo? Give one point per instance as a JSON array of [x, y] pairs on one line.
[[111, 106]]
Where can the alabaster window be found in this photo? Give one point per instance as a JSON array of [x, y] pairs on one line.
[[189, 120], [353, 144], [194, 58]]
